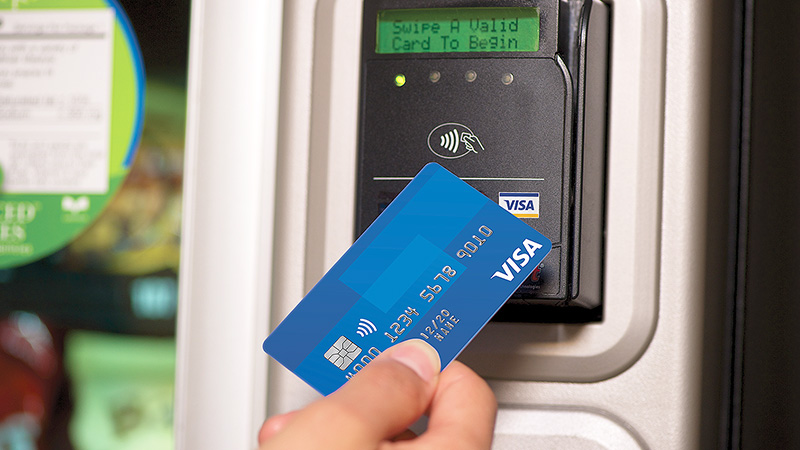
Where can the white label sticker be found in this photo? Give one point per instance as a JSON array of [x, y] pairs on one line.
[[55, 100]]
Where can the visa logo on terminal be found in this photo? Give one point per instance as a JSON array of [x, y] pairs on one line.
[[520, 204]]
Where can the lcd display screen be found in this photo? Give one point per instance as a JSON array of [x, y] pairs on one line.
[[457, 30]]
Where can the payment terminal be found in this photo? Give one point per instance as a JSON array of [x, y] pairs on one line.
[[510, 97]]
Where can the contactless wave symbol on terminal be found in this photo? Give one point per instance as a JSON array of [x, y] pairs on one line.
[[453, 140], [365, 328], [449, 140]]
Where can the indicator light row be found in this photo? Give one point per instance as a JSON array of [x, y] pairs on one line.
[[469, 76]]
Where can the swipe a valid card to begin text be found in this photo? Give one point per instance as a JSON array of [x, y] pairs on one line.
[[436, 265]]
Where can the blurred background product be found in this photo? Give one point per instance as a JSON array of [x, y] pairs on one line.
[[29, 381], [123, 391], [110, 295]]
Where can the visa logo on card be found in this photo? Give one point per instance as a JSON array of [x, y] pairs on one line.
[[436, 265]]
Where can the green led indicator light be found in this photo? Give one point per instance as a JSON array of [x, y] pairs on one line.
[[399, 80]]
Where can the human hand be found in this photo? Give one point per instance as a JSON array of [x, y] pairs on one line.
[[376, 407]]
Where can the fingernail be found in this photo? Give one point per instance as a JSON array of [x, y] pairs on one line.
[[417, 356]]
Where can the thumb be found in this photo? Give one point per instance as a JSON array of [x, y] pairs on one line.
[[382, 400]]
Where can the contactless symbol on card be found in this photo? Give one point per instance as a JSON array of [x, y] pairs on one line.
[[436, 265], [365, 328]]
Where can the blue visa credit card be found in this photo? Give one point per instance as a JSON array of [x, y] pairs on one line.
[[436, 265]]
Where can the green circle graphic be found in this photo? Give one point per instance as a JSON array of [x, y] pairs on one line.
[[34, 225]]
